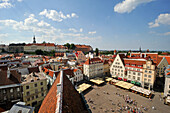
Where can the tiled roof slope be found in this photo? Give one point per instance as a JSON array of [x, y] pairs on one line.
[[71, 100], [49, 103]]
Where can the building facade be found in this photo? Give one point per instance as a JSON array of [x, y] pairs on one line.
[[16, 48], [93, 68], [149, 75], [34, 88], [10, 88]]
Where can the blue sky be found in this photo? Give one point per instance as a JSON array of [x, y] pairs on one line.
[[106, 24]]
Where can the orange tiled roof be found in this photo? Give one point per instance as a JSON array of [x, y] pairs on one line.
[[93, 60]]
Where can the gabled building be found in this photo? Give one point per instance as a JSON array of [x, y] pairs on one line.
[[81, 58], [10, 88], [61, 48], [92, 68], [63, 98], [117, 69]]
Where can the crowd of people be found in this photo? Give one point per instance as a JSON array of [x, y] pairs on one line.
[[130, 105]]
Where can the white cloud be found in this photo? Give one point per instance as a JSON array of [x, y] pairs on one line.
[[5, 4], [8, 3], [75, 30], [81, 29], [92, 32], [3, 35], [56, 16], [128, 5], [162, 19], [19, 0]]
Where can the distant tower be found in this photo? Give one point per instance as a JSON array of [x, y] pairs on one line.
[[140, 49], [115, 52], [34, 40]]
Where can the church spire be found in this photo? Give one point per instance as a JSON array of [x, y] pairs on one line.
[[140, 50], [34, 39]]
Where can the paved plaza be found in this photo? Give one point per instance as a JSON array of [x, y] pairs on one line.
[[110, 99]]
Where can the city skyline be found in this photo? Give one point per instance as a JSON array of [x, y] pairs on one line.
[[112, 24]]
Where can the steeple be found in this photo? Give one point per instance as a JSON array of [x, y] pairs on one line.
[[140, 49], [34, 39]]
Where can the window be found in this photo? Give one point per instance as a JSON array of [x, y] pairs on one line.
[[134, 73], [145, 75], [150, 71], [35, 85], [11, 90], [18, 89], [28, 99], [149, 76], [5, 98], [42, 94], [145, 71], [138, 78], [121, 70], [149, 80], [169, 91], [42, 89], [27, 87], [41, 83], [36, 96], [138, 74], [145, 79], [129, 76], [36, 90], [12, 96], [133, 77], [32, 97], [28, 93], [4, 91], [148, 67], [169, 86]]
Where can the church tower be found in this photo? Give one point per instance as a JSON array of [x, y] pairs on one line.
[[34, 40], [140, 50]]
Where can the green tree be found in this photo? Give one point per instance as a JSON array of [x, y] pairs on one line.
[[97, 51], [72, 46], [44, 42], [39, 52], [67, 45]]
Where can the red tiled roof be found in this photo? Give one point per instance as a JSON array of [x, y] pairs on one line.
[[168, 73], [71, 101], [15, 77], [133, 62], [93, 60], [167, 58], [50, 101]]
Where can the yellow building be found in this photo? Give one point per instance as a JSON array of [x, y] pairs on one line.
[[149, 75], [34, 88]]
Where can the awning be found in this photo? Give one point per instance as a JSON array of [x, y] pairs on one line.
[[138, 83], [119, 78], [124, 79], [133, 82]]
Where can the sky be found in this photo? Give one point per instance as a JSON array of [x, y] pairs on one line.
[[103, 24]]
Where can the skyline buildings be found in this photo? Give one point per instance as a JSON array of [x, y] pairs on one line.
[[105, 25]]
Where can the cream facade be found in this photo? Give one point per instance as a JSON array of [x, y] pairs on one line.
[[149, 75], [78, 75], [117, 68], [93, 68], [33, 48], [161, 67], [34, 89], [167, 82]]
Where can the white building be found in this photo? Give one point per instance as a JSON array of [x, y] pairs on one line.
[[117, 68], [93, 68], [167, 85]]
